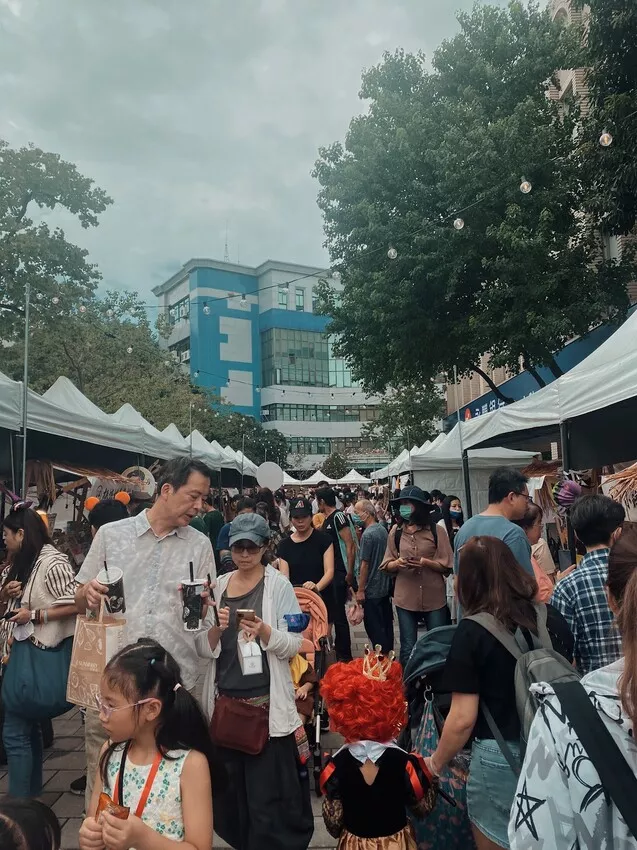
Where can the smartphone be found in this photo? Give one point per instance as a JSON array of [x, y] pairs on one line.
[[245, 614], [8, 615]]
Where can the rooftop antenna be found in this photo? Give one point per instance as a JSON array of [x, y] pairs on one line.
[[226, 253]]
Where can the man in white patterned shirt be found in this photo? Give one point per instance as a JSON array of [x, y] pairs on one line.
[[154, 551]]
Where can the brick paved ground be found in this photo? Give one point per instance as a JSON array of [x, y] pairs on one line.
[[64, 762]]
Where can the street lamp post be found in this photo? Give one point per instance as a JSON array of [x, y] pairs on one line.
[[190, 423], [243, 454], [25, 385]]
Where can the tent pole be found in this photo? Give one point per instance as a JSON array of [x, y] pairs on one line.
[[566, 464], [467, 483], [25, 386]]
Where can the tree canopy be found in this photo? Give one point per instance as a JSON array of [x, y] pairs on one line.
[[407, 417], [522, 273], [32, 181], [335, 466], [611, 57]]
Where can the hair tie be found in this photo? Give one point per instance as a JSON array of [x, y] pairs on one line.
[[176, 688]]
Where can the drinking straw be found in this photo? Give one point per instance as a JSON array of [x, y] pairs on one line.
[[209, 580], [192, 572], [108, 578]]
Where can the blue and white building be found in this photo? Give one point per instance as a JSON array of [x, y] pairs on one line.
[[253, 337]]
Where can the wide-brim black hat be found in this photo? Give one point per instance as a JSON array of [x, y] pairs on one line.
[[411, 493]]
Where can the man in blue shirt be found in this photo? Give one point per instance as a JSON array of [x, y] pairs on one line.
[[581, 596], [508, 500]]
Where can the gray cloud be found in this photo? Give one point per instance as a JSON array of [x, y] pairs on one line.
[[191, 113]]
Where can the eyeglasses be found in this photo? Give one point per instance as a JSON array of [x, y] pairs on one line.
[[107, 710], [240, 547], [527, 496]]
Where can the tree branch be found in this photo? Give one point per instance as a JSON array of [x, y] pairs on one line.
[[493, 387], [555, 368], [526, 362], [77, 369]]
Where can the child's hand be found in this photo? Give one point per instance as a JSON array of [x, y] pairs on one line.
[[304, 691], [91, 835], [121, 834]]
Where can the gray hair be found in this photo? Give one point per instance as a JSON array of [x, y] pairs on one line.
[[368, 507]]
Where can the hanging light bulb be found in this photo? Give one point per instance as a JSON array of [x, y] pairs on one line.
[[336, 275], [606, 140], [458, 223], [206, 310], [82, 308], [392, 253], [195, 374], [286, 286], [243, 302], [228, 382], [257, 389], [129, 350], [525, 186], [55, 300], [39, 296], [166, 362]]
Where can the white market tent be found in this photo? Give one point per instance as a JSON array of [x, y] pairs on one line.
[[354, 477], [317, 477], [288, 481], [440, 467], [595, 403]]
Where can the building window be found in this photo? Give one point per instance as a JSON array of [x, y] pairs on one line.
[[302, 358], [181, 351], [299, 300], [283, 298], [319, 413], [178, 311]]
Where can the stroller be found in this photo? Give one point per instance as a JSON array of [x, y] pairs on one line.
[[314, 647]]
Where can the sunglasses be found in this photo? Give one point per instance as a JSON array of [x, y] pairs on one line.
[[249, 550]]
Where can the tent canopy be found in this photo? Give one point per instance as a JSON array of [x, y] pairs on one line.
[[354, 477], [319, 476], [597, 399], [288, 481]]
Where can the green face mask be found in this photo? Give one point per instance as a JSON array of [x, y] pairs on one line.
[[406, 511]]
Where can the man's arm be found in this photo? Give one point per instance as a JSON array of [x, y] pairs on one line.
[[346, 536], [88, 593]]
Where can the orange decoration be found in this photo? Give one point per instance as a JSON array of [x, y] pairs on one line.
[[90, 503], [44, 517], [122, 497]]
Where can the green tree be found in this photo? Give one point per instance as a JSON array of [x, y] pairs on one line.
[[32, 180], [335, 466], [523, 274], [108, 349], [409, 414], [261, 444], [611, 56]]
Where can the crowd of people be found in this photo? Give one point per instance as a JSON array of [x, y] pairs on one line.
[[177, 760]]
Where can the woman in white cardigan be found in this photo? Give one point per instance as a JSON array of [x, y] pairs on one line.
[[266, 802]]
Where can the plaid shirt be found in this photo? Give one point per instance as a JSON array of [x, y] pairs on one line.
[[581, 599]]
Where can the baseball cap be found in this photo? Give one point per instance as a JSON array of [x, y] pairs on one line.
[[249, 527], [300, 507]]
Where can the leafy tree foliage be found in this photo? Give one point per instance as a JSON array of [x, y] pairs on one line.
[[335, 466], [611, 56], [524, 274], [406, 417], [32, 180]]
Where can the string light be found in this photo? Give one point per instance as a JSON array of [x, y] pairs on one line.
[[110, 313], [82, 308], [195, 374], [129, 350], [206, 310], [525, 186], [458, 223], [606, 140], [166, 362], [39, 296], [392, 253], [336, 275], [243, 302], [55, 300]]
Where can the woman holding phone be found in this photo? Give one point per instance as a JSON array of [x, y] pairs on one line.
[[420, 556], [266, 801]]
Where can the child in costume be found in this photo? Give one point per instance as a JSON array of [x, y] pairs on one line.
[[369, 784]]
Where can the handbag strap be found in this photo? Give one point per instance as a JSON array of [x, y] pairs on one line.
[[616, 775]]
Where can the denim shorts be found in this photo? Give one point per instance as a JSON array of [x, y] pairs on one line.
[[491, 789]]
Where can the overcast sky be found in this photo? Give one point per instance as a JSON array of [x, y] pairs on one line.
[[191, 113]]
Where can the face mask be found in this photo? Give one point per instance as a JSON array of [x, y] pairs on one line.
[[406, 511], [455, 514], [356, 519]]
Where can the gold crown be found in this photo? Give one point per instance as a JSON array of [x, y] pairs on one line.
[[375, 664]]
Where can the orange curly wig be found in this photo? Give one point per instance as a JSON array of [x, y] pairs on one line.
[[364, 709]]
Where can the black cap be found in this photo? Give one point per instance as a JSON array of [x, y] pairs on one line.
[[300, 507]]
